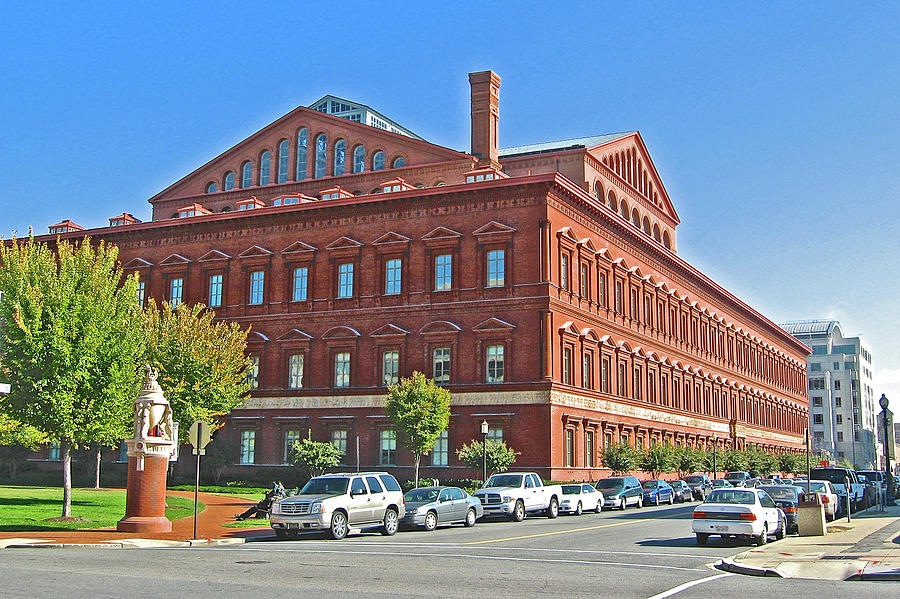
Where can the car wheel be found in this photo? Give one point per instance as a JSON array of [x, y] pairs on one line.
[[390, 523], [553, 508], [640, 502], [702, 538], [281, 534], [779, 532], [622, 504], [763, 538], [338, 529], [657, 500], [471, 517], [430, 521], [578, 509], [672, 499], [518, 513]]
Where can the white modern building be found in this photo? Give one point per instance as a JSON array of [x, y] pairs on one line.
[[359, 113], [842, 405]]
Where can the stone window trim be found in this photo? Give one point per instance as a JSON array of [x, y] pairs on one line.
[[255, 259], [494, 331], [299, 255], [383, 258], [437, 334], [386, 338], [286, 353], [431, 254], [508, 262]]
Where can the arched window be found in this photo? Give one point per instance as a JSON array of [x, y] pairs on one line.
[[229, 180], [321, 147], [666, 241], [635, 218], [399, 162], [340, 157], [611, 202], [265, 164], [623, 210], [247, 174], [302, 143], [598, 191], [359, 159], [656, 233], [647, 225], [226, 209], [378, 161], [284, 160], [212, 187]]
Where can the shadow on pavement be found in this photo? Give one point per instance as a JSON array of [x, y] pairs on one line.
[[692, 542]]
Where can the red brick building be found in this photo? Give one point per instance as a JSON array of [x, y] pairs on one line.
[[540, 284]]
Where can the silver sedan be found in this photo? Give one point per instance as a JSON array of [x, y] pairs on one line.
[[430, 506]]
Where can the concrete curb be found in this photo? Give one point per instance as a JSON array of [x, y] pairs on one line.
[[130, 544], [729, 565]]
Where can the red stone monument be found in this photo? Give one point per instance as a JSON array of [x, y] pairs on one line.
[[148, 461]]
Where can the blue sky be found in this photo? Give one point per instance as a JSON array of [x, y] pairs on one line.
[[775, 127]]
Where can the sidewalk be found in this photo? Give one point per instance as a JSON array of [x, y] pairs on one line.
[[866, 548], [220, 510]]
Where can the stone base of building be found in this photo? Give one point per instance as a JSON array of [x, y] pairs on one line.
[[150, 524]]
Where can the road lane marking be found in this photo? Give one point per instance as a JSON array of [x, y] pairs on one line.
[[558, 532], [687, 585]]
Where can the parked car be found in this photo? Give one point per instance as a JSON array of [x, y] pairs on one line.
[[876, 477], [700, 485], [837, 476], [621, 491], [657, 492], [721, 483], [737, 479], [336, 503], [871, 490], [430, 507], [787, 497], [825, 490], [580, 498], [682, 491], [513, 494], [747, 513]]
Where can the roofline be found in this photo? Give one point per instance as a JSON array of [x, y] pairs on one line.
[[366, 106]]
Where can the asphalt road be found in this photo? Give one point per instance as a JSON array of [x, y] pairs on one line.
[[647, 552]]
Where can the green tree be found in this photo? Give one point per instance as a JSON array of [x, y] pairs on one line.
[[70, 341], [221, 453], [734, 460], [620, 458], [687, 460], [17, 441], [202, 363], [315, 457], [792, 463], [759, 462], [658, 459], [499, 456], [420, 411]]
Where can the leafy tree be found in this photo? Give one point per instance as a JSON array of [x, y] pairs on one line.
[[202, 363], [760, 463], [420, 411], [792, 463], [316, 456], [734, 461], [70, 341], [659, 458], [620, 458], [499, 456], [687, 460], [17, 441], [221, 453]]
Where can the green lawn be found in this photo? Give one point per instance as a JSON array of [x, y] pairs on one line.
[[26, 508]]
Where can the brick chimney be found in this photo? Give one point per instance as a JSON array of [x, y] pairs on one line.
[[485, 116]]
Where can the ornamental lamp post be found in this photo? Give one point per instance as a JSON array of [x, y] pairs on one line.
[[484, 433], [715, 464], [888, 475]]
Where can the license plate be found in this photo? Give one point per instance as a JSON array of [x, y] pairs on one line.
[[720, 528], [293, 525]]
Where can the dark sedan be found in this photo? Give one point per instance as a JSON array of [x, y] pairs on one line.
[[786, 497], [682, 490], [657, 492]]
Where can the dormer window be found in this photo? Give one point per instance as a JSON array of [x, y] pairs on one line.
[[66, 226], [192, 210], [335, 193], [398, 184], [251, 203], [122, 220], [290, 200], [484, 174]]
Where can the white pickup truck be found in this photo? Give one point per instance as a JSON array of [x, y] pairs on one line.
[[838, 477], [513, 494]]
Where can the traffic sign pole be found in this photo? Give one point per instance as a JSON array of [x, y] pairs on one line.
[[199, 435], [196, 494]]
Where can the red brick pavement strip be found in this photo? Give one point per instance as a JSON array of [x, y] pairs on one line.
[[220, 510]]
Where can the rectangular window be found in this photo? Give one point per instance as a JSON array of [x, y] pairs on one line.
[[342, 369], [601, 291], [587, 371], [176, 290], [637, 383], [53, 452], [815, 367], [257, 283], [817, 402], [388, 447], [392, 276], [570, 448], [495, 433], [441, 453], [567, 366], [494, 359], [295, 371], [839, 419], [440, 363], [840, 436], [290, 437], [618, 298], [837, 402], [585, 281], [345, 280], [564, 271], [607, 439], [248, 447], [215, 291], [339, 439], [141, 292], [633, 306], [496, 268], [817, 419], [837, 385], [620, 379], [589, 449], [443, 272], [301, 283], [253, 374], [604, 375], [651, 386], [390, 367]]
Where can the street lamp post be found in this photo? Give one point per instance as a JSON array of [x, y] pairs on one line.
[[484, 433], [715, 464], [888, 475]]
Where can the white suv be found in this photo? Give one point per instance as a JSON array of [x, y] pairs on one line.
[[338, 503]]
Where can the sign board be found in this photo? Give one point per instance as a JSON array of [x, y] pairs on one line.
[[199, 436], [4, 388], [175, 447]]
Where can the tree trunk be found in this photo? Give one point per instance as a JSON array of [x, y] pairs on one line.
[[97, 470], [416, 481], [66, 450]]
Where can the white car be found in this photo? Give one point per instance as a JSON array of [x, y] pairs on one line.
[[826, 491], [748, 513], [580, 498]]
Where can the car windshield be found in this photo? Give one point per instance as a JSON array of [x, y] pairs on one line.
[[817, 486], [650, 484], [693, 480], [424, 495], [504, 480], [571, 489], [325, 486], [610, 484], [781, 493], [832, 475], [731, 497], [734, 476]]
